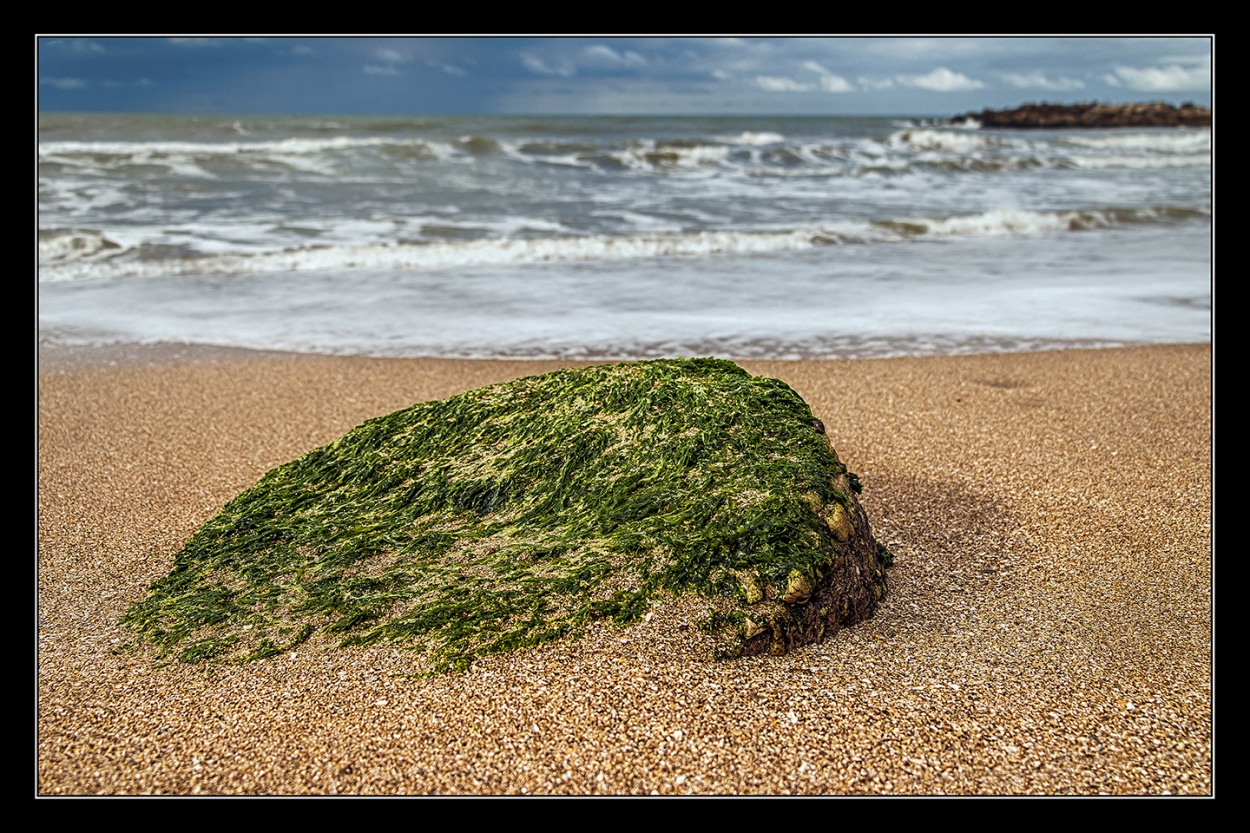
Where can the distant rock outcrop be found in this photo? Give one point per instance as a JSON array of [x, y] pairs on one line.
[[1154, 114]]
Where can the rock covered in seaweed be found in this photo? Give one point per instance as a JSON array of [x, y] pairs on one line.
[[518, 513]]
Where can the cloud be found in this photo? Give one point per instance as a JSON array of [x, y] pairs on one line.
[[601, 55], [64, 83], [452, 69], [925, 50], [1161, 79], [1038, 81], [875, 83], [389, 59], [142, 82], [537, 65], [74, 45], [777, 84], [829, 82], [836, 84], [195, 41], [940, 80]]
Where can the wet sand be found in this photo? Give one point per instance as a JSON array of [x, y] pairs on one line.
[[1047, 629]]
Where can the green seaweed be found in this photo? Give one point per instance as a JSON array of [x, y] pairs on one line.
[[513, 515]]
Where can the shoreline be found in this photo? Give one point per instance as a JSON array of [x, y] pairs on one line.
[[1047, 628], [57, 357]]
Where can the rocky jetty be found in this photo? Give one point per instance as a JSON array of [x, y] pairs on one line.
[[523, 512], [1154, 114]]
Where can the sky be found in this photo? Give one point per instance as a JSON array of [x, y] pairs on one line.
[[936, 76]]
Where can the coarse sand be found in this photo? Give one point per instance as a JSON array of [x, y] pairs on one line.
[[1048, 628]]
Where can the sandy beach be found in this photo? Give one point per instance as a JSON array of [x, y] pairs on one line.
[[1048, 629]]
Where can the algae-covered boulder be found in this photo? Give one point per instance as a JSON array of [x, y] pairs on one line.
[[519, 513]]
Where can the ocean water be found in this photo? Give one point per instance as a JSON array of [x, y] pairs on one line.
[[619, 237]]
